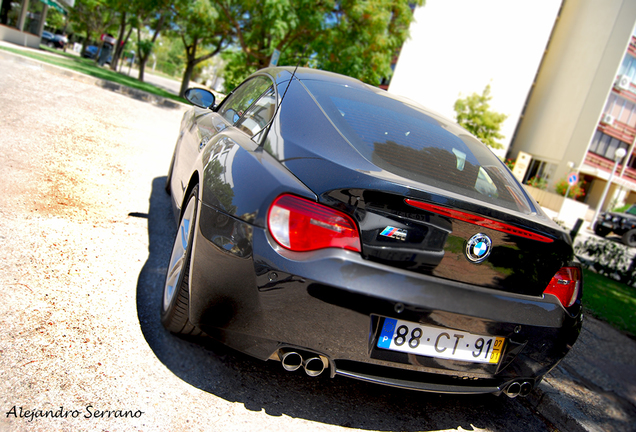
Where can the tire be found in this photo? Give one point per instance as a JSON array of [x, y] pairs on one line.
[[629, 238], [175, 302], [600, 230]]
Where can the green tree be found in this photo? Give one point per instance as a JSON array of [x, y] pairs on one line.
[[139, 15], [145, 46], [202, 32], [474, 114], [127, 19], [55, 19], [236, 68], [361, 38], [93, 17], [358, 38], [260, 27]]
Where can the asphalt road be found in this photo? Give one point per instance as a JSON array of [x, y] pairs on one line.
[[86, 231]]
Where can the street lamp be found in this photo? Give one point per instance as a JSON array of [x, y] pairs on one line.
[[618, 155]]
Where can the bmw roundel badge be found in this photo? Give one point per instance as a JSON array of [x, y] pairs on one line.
[[478, 248]]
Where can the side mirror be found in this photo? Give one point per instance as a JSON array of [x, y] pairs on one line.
[[200, 97]]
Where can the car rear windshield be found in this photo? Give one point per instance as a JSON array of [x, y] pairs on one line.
[[406, 141]]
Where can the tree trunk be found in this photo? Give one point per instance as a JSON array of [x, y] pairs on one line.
[[119, 45], [191, 55], [192, 61], [187, 74], [142, 68], [143, 59]]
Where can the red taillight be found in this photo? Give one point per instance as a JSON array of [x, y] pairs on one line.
[[565, 284], [302, 225]]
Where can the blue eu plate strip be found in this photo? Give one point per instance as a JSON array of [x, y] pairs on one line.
[[388, 329]]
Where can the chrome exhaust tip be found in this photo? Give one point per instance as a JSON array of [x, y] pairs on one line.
[[290, 360], [525, 389], [512, 391], [314, 366]]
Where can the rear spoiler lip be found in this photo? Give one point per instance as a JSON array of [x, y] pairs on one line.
[[478, 220]]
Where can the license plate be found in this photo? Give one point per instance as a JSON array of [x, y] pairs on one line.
[[412, 338]]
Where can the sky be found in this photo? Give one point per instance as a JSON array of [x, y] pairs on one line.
[[457, 47]]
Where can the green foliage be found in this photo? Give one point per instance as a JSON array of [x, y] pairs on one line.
[[204, 34], [93, 17], [55, 19], [260, 27], [169, 53], [236, 69], [510, 163], [145, 46], [538, 182], [358, 38], [474, 114], [622, 209], [575, 192]]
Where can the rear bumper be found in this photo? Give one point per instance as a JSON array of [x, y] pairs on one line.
[[259, 298]]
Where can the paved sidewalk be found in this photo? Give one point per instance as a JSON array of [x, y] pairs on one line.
[[592, 389]]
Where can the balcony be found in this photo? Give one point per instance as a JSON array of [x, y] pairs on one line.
[[600, 163], [618, 130]]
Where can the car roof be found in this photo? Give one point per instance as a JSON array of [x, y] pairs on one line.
[[283, 73]]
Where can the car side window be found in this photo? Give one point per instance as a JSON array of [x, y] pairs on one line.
[[243, 97], [259, 114]]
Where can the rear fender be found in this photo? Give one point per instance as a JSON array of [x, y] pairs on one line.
[[241, 180]]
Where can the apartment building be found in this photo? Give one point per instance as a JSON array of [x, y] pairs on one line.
[[581, 106]]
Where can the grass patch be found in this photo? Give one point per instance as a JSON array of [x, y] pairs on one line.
[[88, 67], [610, 300]]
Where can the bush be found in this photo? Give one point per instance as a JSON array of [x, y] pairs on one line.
[[510, 163], [575, 192], [538, 182], [607, 258]]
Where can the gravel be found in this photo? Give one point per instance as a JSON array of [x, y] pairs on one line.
[[86, 231]]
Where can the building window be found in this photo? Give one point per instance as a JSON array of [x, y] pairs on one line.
[[628, 67], [621, 109], [605, 145], [539, 169]]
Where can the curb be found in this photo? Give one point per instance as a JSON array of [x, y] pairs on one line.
[[87, 79], [558, 409]]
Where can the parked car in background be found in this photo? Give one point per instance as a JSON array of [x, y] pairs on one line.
[[622, 224], [53, 40], [333, 227], [92, 52]]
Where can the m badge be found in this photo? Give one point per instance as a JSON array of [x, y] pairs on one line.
[[392, 232]]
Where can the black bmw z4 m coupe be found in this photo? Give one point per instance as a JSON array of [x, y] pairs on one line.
[[333, 227]]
